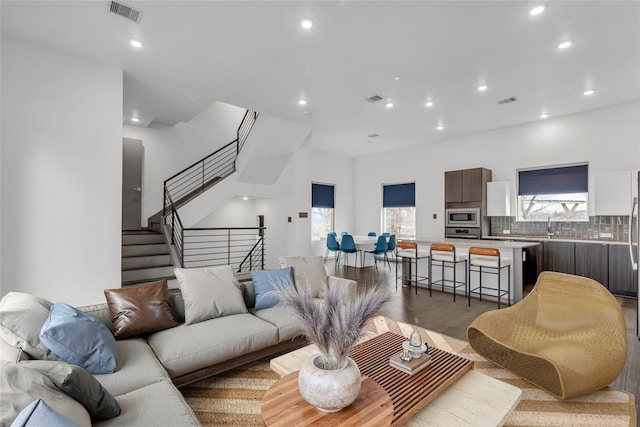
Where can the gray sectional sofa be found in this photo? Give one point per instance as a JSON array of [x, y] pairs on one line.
[[149, 368]]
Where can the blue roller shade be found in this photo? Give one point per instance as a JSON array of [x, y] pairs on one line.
[[562, 180], [399, 195], [322, 196]]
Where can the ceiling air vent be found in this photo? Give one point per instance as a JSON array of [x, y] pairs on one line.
[[374, 98], [507, 100], [125, 11]]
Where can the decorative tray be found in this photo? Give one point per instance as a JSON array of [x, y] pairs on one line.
[[409, 393]]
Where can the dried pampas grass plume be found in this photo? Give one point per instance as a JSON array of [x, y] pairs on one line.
[[332, 324]]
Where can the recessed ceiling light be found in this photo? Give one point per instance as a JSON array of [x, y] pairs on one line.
[[536, 10], [482, 88], [302, 102], [588, 92], [544, 115], [136, 43], [245, 198], [396, 78], [440, 127], [306, 23], [135, 119], [565, 44], [389, 105], [429, 104]]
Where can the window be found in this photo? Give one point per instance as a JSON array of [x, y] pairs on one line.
[[556, 194], [322, 216], [399, 210]]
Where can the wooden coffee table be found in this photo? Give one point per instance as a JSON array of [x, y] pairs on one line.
[[473, 399]]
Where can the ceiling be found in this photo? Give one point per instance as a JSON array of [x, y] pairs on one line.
[[255, 54]]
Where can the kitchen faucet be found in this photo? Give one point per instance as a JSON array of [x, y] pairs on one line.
[[549, 229]]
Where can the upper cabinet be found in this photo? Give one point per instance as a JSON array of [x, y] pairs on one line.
[[499, 198], [468, 185], [613, 192]]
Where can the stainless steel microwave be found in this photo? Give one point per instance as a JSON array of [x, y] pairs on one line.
[[462, 217]]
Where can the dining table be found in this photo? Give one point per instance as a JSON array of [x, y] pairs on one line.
[[363, 244]]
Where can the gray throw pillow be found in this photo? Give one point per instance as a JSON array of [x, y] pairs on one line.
[[308, 271], [79, 384], [21, 317], [209, 292], [21, 386]]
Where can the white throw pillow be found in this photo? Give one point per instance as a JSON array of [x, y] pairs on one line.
[[308, 271], [209, 292]]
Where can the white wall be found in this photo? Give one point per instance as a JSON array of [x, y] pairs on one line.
[[61, 174], [609, 139], [234, 213], [168, 150], [339, 171]]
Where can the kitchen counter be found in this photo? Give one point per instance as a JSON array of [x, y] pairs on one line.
[[553, 239], [509, 248]]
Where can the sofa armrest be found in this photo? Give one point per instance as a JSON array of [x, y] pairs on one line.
[[348, 287]]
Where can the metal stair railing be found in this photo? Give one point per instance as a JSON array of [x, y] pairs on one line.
[[242, 248]]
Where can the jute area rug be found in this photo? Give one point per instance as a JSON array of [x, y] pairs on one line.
[[234, 397]]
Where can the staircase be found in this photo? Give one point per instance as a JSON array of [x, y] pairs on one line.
[[145, 257]]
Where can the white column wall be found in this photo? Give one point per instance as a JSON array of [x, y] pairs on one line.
[[609, 139], [61, 174]]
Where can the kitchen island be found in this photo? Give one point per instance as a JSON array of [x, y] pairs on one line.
[[509, 249]]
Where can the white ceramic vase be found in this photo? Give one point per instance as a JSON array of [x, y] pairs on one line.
[[327, 387]]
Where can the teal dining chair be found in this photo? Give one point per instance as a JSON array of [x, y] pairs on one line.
[[332, 246], [381, 248], [391, 246], [348, 246]]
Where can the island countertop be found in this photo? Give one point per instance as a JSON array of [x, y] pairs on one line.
[[467, 243], [510, 249]]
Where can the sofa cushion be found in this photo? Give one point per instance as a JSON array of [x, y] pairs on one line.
[[80, 339], [187, 348], [9, 353], [21, 317], [265, 282], [139, 310], [39, 414], [21, 386], [308, 271], [79, 384], [137, 366], [209, 292], [155, 405], [282, 318]]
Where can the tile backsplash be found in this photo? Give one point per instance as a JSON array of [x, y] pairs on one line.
[[612, 228]]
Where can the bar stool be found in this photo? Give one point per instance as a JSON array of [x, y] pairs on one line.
[[410, 250], [489, 259], [446, 255]]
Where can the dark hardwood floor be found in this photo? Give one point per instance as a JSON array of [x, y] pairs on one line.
[[439, 313]]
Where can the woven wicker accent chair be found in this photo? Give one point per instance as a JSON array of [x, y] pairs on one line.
[[567, 336]]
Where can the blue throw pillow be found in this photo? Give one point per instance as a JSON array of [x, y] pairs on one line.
[[39, 414], [265, 281], [80, 339]]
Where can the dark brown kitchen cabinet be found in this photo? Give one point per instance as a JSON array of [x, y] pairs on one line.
[[592, 261], [467, 185], [622, 281], [560, 257]]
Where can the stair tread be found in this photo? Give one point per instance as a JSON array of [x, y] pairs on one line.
[[146, 255], [146, 267]]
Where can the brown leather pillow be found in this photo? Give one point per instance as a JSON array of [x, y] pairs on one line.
[[140, 310]]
